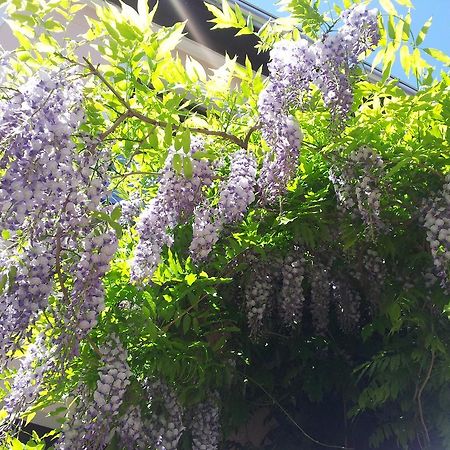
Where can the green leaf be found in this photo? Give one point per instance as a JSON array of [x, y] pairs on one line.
[[391, 27], [16, 444], [377, 59], [112, 31], [187, 167], [116, 213], [143, 9], [406, 27], [405, 59], [128, 31], [239, 16], [398, 34], [171, 39], [3, 281], [206, 155], [6, 234], [12, 276], [186, 323], [388, 62], [423, 31], [117, 228], [438, 55], [168, 135], [190, 278], [186, 141], [177, 163], [30, 417], [406, 3], [389, 7]]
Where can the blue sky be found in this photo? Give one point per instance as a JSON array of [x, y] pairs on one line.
[[438, 36]]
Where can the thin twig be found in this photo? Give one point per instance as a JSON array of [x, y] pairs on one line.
[[286, 413], [58, 267], [94, 346], [166, 327], [221, 274], [115, 125], [161, 123], [138, 172], [419, 397], [249, 134]]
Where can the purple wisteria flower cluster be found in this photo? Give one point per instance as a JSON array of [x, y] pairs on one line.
[[38, 360], [259, 295], [358, 186], [5, 68], [236, 194], [238, 191], [294, 67], [204, 423], [36, 126], [373, 275], [27, 295], [206, 229], [131, 430], [346, 305], [284, 288], [165, 426], [131, 209], [47, 193], [437, 224], [292, 296], [90, 424], [88, 294], [52, 183], [180, 197], [175, 202], [280, 164], [320, 297]]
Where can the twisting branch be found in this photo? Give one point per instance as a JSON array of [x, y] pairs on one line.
[[137, 172], [94, 346], [286, 413], [115, 125], [161, 123], [249, 134], [419, 397]]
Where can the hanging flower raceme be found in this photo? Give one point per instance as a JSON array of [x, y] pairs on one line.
[[236, 193], [292, 296], [280, 164], [165, 426], [206, 228], [88, 295], [320, 297], [357, 184], [131, 430], [48, 193], [175, 202], [37, 125], [346, 304], [437, 224], [131, 209], [296, 65], [27, 383], [258, 299], [40, 179], [90, 422], [4, 66], [27, 295], [204, 423]]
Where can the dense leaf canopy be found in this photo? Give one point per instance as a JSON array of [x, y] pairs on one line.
[[186, 250]]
